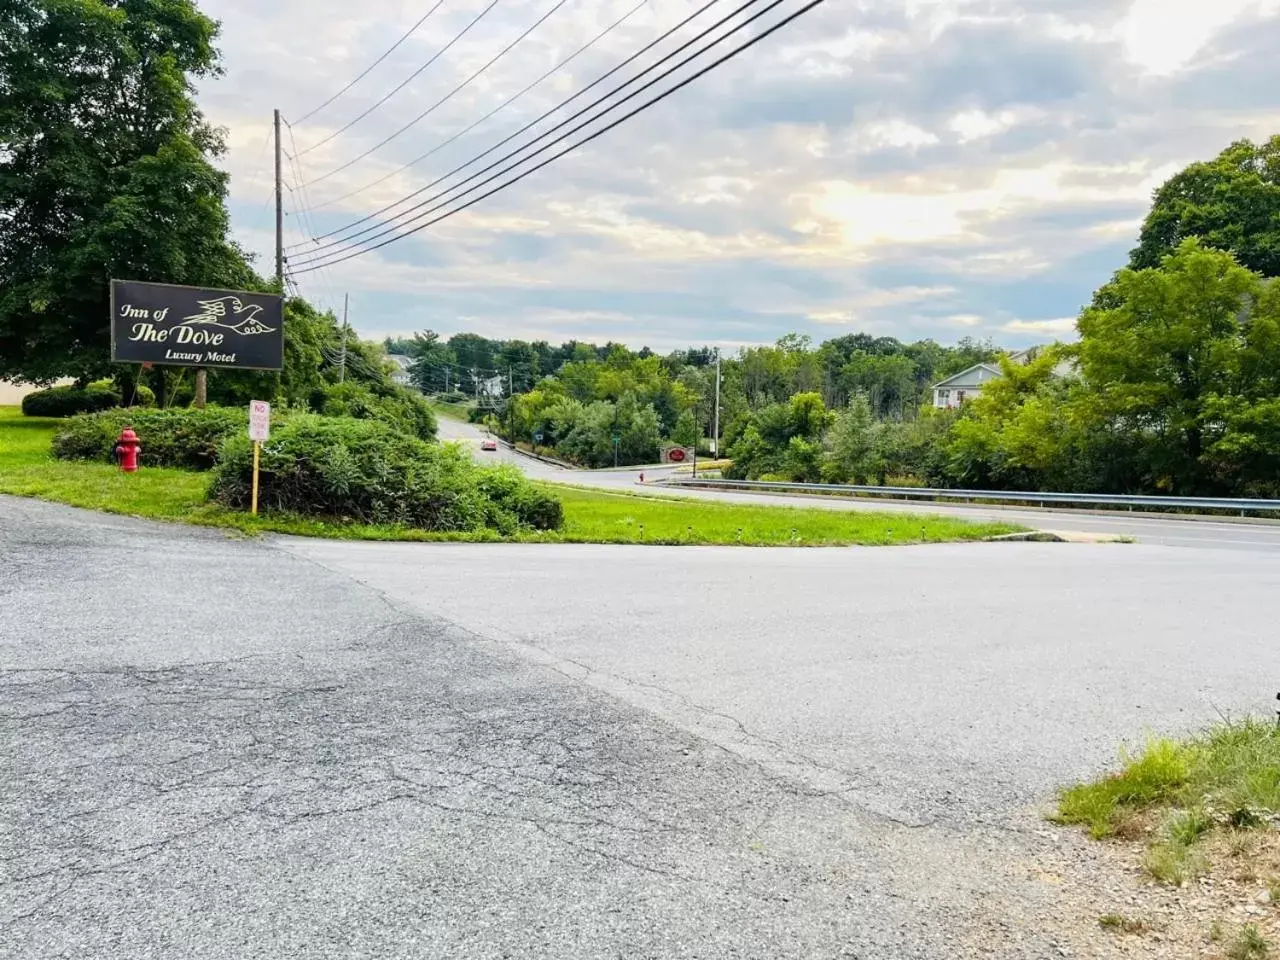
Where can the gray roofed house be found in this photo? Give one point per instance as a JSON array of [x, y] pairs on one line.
[[403, 366], [967, 384]]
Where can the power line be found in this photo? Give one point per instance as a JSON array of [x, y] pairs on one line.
[[533, 123], [499, 108], [342, 256], [436, 56], [394, 47], [450, 95]]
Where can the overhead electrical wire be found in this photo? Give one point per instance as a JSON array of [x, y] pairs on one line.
[[297, 221], [409, 79], [534, 122], [369, 69], [446, 98], [498, 109], [351, 252]]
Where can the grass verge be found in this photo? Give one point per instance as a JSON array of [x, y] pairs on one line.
[[26, 469], [1199, 815], [451, 411]]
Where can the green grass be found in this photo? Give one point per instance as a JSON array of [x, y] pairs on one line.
[[1227, 778], [629, 518], [1250, 944], [591, 516], [451, 411]]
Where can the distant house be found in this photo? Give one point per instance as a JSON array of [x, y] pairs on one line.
[[967, 384], [403, 365]]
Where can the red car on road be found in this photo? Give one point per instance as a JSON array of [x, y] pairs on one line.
[[489, 445]]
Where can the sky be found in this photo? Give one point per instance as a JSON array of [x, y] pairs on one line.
[[906, 168]]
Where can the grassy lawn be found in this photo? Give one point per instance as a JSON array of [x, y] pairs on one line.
[[26, 469], [593, 515]]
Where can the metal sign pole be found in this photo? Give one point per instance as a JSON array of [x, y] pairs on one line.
[[257, 451]]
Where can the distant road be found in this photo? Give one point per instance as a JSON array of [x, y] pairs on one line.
[[1176, 532]]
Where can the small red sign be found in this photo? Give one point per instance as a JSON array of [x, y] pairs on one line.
[[676, 455]]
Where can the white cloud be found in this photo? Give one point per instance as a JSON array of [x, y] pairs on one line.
[[1059, 327], [1162, 36], [893, 133], [976, 124]]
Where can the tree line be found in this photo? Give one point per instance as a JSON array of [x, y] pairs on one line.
[[1172, 387]]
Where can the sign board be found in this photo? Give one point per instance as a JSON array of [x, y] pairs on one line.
[[196, 327], [616, 439], [259, 421], [537, 438], [676, 455]]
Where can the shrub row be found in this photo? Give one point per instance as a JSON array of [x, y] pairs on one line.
[[69, 401], [399, 408], [363, 470], [187, 439]]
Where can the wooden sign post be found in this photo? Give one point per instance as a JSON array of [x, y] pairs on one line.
[[259, 432]]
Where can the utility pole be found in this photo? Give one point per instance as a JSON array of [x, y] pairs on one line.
[[475, 384], [715, 433], [511, 405], [447, 371], [342, 367], [695, 445], [279, 207]]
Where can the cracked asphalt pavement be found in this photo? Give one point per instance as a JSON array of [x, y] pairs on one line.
[[218, 747]]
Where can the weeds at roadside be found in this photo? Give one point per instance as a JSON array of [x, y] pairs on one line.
[[1249, 944], [1175, 794], [1118, 923], [1174, 864]]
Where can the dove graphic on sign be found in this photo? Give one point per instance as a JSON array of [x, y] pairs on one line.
[[230, 313]]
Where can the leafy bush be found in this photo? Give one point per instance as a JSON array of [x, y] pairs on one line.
[[401, 409], [367, 471], [68, 401], [187, 439], [139, 393]]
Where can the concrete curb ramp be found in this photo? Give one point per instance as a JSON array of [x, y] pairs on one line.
[[1060, 536]]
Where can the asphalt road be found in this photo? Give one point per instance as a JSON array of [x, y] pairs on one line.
[[218, 747], [1229, 534]]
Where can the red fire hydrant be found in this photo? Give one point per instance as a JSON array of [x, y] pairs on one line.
[[128, 447]]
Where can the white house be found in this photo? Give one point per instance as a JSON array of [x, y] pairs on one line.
[[967, 384], [403, 366]]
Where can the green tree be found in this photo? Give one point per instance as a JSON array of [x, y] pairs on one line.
[[1174, 341], [765, 446], [686, 432], [853, 445], [887, 381], [105, 171], [1019, 433], [1231, 203]]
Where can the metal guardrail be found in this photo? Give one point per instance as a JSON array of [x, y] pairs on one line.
[[1240, 505]]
